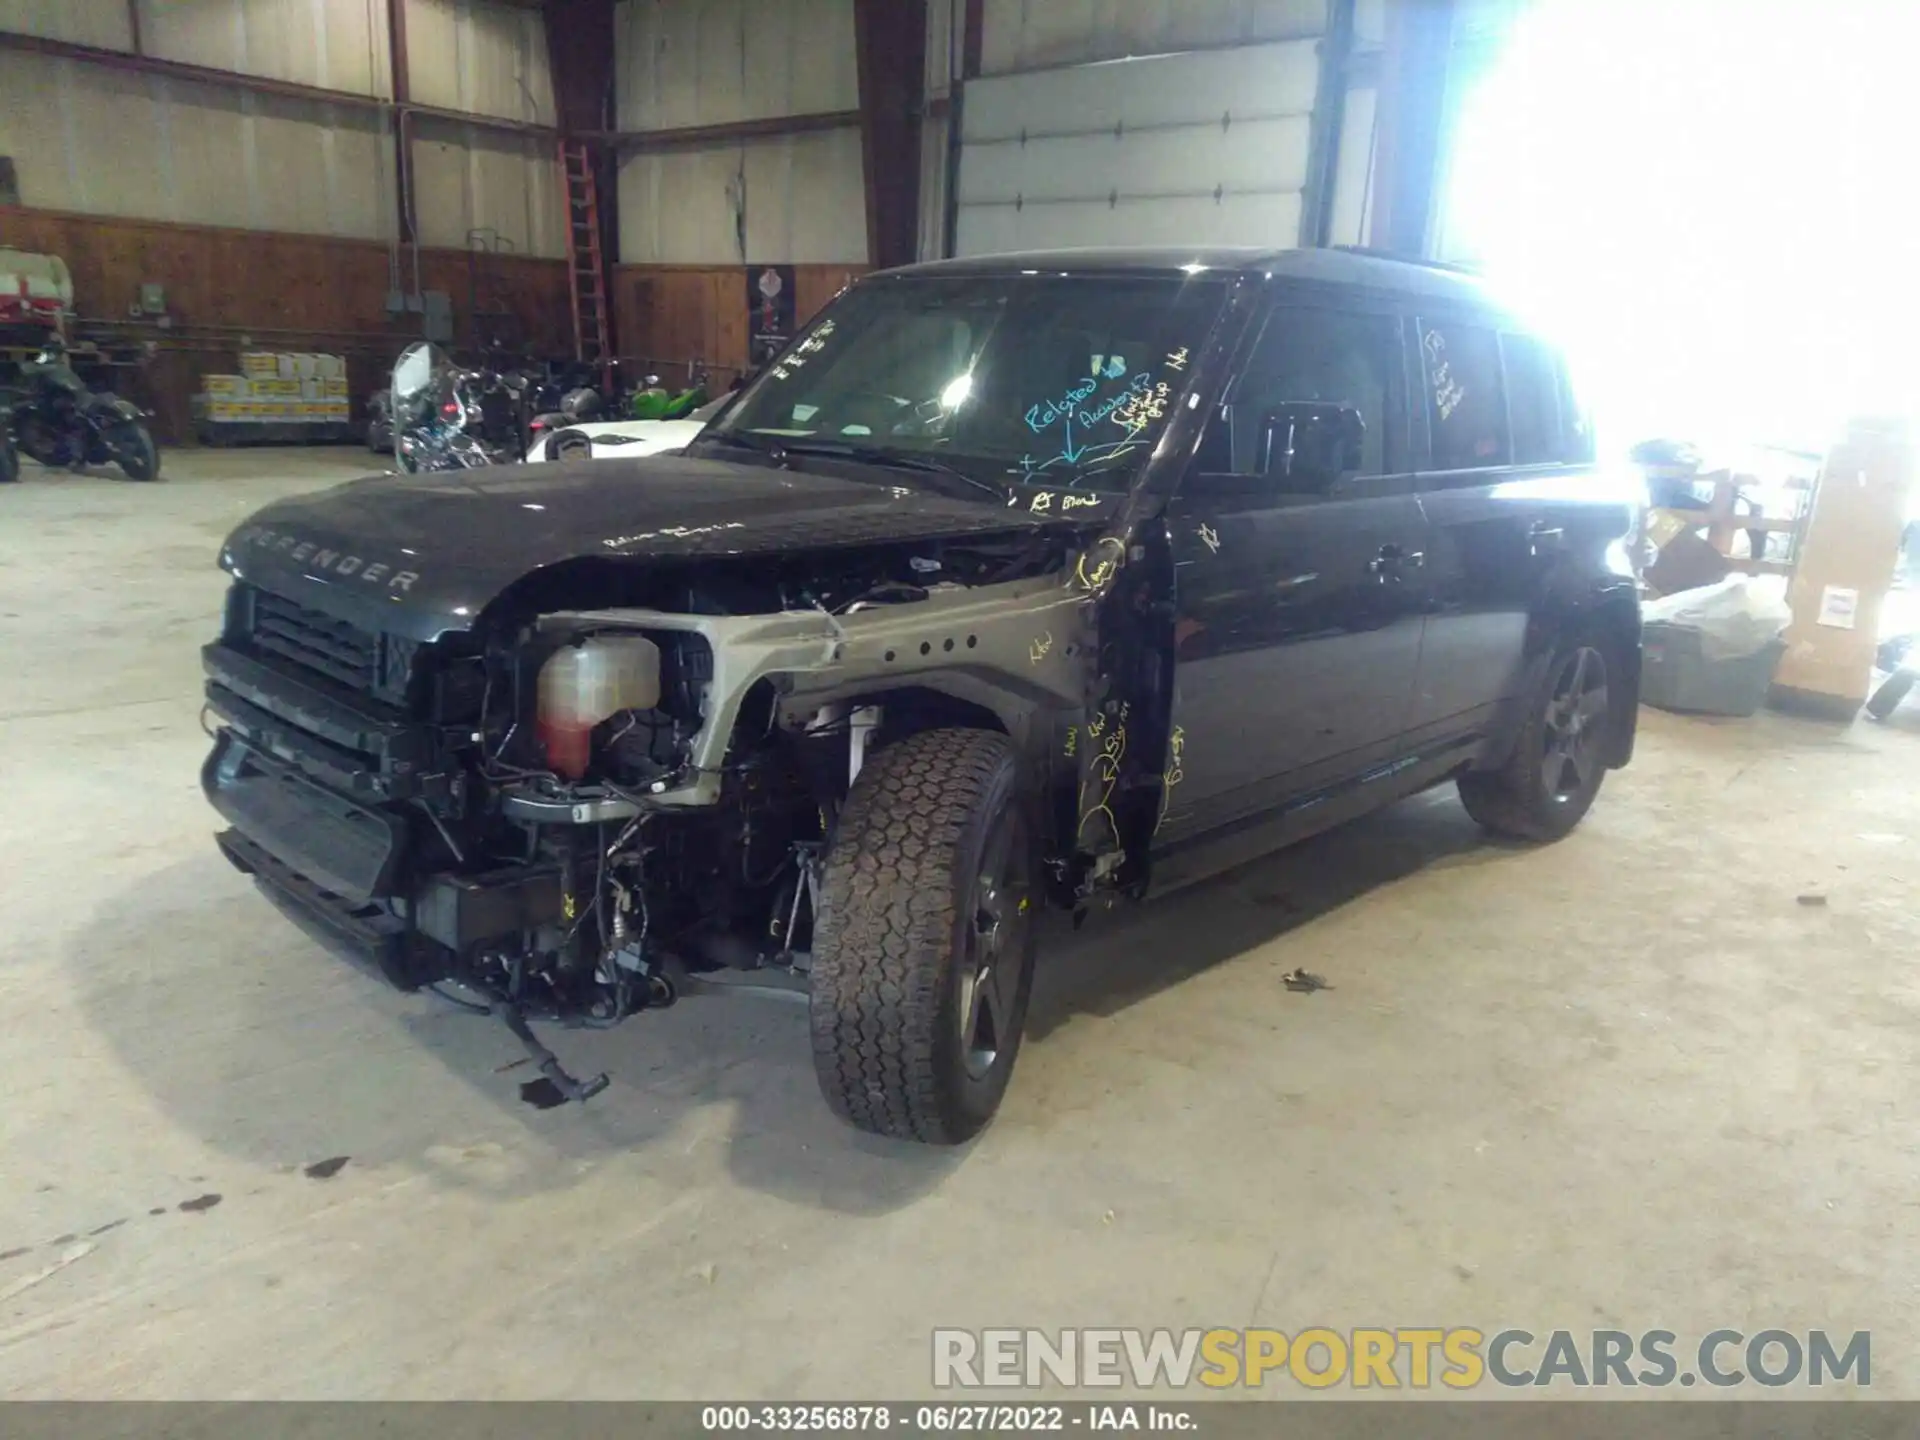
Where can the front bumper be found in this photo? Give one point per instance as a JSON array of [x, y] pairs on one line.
[[325, 797]]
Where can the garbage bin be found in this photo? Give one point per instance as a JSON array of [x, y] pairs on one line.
[[1676, 675]]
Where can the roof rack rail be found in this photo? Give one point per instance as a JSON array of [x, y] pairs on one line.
[[1455, 267]]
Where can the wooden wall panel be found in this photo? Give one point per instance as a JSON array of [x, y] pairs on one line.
[[287, 292], [672, 317]]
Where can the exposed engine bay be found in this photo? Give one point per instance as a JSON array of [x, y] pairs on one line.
[[618, 784]]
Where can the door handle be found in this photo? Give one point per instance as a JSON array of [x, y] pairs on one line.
[[1541, 536], [1392, 559]]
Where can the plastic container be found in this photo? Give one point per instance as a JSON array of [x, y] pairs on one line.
[[1676, 675], [582, 685]]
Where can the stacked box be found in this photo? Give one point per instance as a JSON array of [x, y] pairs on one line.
[[333, 367], [259, 365], [336, 387], [225, 387]]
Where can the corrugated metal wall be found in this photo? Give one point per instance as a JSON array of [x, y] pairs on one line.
[[103, 142], [109, 143], [791, 199], [483, 59]]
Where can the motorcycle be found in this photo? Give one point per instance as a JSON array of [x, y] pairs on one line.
[[655, 403], [58, 421], [440, 414], [576, 407], [9, 456]]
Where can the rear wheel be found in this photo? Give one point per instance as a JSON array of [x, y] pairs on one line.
[[135, 451], [1549, 782], [923, 949]]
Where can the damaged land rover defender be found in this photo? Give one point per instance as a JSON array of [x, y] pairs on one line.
[[1017, 582]]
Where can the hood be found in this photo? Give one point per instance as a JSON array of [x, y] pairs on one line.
[[418, 555]]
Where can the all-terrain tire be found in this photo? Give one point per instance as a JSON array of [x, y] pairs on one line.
[[1529, 797], [896, 988]]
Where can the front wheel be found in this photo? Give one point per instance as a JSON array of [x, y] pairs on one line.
[[1559, 760], [923, 946], [135, 450]]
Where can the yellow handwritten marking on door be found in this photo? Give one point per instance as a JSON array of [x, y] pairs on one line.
[[1103, 771], [1041, 647], [1209, 537], [1094, 576], [1175, 773]]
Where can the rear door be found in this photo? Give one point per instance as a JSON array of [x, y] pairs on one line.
[[1487, 530], [1297, 633]]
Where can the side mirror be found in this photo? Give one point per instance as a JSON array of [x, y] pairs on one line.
[[1308, 444]]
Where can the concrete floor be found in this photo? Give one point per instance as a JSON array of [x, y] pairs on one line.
[[1625, 1081]]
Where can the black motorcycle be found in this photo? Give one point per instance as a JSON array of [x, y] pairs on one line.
[[58, 421]]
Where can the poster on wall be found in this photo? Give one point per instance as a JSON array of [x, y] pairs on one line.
[[769, 311]]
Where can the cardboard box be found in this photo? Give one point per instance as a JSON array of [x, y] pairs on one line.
[[313, 388], [277, 389], [226, 387], [306, 366], [335, 387], [224, 412], [278, 409], [332, 367], [1847, 557], [334, 410], [259, 364]]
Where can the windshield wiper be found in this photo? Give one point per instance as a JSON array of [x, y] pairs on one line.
[[888, 459]]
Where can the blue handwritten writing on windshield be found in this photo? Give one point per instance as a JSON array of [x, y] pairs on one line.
[[1048, 411]]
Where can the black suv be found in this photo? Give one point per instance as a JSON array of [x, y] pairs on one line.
[[1035, 579]]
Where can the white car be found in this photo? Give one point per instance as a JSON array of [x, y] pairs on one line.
[[613, 439]]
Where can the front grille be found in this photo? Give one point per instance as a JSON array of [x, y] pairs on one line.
[[334, 648]]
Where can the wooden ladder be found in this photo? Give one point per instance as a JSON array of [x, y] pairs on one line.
[[586, 271]]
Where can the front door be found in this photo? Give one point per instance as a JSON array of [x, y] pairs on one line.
[[1297, 634]]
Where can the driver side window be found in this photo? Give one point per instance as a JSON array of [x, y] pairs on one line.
[[1306, 354]]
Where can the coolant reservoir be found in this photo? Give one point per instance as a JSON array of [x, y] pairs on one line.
[[581, 685]]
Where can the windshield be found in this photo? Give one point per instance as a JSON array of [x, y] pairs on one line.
[[1056, 380]]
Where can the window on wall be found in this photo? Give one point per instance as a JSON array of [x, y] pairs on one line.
[[1533, 400], [1466, 408], [1325, 355]]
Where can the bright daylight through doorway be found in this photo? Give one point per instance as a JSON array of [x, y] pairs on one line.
[[1706, 200]]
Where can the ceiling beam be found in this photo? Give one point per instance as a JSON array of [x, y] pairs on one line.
[[256, 84]]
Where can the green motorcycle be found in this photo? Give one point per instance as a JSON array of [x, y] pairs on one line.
[[655, 403]]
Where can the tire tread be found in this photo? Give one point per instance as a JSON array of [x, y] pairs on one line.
[[883, 938]]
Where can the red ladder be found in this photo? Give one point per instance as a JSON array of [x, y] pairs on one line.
[[586, 273]]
